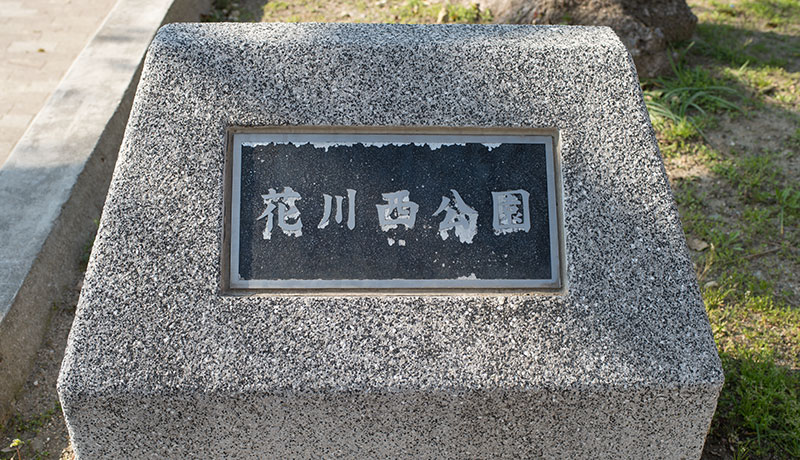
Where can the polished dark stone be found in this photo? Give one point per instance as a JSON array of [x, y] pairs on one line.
[[337, 252]]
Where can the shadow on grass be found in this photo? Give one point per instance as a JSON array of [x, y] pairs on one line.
[[734, 206], [241, 11], [758, 411], [738, 46]]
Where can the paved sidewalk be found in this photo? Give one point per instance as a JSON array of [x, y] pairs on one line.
[[39, 39]]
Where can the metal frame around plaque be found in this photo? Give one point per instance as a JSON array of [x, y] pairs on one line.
[[231, 253]]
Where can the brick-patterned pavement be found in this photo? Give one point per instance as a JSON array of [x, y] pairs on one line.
[[39, 39]]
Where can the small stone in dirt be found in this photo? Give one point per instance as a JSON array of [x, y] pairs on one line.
[[697, 244], [67, 454]]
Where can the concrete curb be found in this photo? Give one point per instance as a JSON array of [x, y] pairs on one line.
[[53, 185]]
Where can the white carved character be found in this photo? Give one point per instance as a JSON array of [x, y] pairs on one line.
[[458, 217], [511, 212], [351, 210], [289, 219], [399, 211]]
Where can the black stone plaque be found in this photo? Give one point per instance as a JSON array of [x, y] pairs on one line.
[[365, 211]]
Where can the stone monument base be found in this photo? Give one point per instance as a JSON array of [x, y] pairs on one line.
[[165, 359]]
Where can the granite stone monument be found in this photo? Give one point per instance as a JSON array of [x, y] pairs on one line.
[[370, 241]]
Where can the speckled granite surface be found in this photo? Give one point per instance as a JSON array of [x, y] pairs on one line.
[[622, 365]]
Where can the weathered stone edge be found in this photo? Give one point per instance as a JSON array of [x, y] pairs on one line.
[[206, 421], [54, 183]]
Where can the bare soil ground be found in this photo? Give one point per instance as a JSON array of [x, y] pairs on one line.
[[37, 419]]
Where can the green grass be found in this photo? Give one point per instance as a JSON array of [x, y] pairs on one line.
[[733, 40], [27, 428], [391, 11], [467, 14], [769, 204], [788, 202], [682, 105], [759, 406], [277, 5], [725, 8], [219, 11], [757, 332], [758, 339], [414, 11], [775, 12], [767, 83], [793, 141], [745, 206], [756, 178], [35, 423]]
